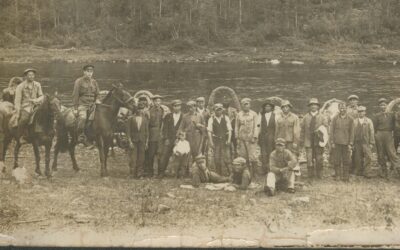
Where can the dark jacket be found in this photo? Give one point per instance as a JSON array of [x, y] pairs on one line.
[[137, 134], [155, 122], [169, 131]]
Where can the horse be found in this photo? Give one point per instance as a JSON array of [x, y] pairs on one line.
[[101, 129], [39, 133]]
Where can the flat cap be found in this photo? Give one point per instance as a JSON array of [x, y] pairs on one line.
[[87, 66], [239, 161], [218, 106], [314, 101], [200, 158], [156, 97], [383, 100], [286, 103], [361, 108], [200, 99], [29, 70], [176, 102], [245, 100], [280, 141], [352, 97], [191, 103]]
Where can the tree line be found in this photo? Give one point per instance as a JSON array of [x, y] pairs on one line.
[[188, 23]]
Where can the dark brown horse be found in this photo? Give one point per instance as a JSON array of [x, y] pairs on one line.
[[101, 129], [39, 133]]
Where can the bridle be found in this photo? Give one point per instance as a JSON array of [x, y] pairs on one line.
[[122, 102]]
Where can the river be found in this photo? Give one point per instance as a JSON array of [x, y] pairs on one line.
[[258, 81]]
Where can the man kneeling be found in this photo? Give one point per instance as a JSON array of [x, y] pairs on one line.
[[201, 174], [282, 162]]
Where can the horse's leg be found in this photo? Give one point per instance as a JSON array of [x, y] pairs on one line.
[[4, 153], [71, 149], [55, 156], [106, 150], [16, 152], [100, 146], [37, 156], [47, 170]]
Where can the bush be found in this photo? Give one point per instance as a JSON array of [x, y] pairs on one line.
[[42, 42], [182, 44], [320, 28], [8, 40]]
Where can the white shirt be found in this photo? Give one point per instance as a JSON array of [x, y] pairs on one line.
[[139, 121], [268, 116], [314, 113], [182, 147], [219, 119], [176, 117], [201, 110], [361, 120]]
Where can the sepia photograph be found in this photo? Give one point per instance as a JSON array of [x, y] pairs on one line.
[[200, 123]]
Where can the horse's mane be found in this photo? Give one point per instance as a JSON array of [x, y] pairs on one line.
[[108, 95]]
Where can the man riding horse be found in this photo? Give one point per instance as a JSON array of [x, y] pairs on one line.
[[84, 96], [28, 94]]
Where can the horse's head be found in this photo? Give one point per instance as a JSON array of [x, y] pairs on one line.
[[123, 97]]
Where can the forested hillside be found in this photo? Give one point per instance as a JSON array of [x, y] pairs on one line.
[[185, 24]]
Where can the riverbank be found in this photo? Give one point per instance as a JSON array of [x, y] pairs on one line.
[[349, 53]]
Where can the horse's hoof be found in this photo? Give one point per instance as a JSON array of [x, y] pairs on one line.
[[48, 175], [38, 172], [76, 168]]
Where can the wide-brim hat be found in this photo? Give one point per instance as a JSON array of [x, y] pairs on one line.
[[286, 103], [383, 100], [239, 161], [29, 70], [361, 108], [314, 101], [280, 141], [176, 102], [218, 106], [245, 101], [156, 97], [200, 99], [191, 103], [352, 97], [87, 66]]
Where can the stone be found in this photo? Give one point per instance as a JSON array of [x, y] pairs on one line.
[[163, 208]]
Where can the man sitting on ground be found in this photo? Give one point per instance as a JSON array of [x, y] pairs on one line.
[[282, 161], [201, 174], [241, 177]]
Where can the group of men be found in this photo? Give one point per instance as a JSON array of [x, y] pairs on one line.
[[234, 136]]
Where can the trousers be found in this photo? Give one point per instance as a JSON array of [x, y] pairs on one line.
[[314, 157], [136, 159], [283, 180], [341, 161]]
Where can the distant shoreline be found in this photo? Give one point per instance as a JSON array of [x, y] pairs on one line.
[[274, 54]]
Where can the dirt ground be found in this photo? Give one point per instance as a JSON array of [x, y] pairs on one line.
[[82, 208]]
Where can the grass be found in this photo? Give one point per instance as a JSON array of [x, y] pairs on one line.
[[70, 199]]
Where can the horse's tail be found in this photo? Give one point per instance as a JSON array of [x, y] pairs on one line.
[[62, 140]]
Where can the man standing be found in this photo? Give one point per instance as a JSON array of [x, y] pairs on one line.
[[28, 94], [364, 141], [342, 137], [84, 96], [193, 126], [219, 135], [247, 133], [313, 123], [282, 162], [352, 109], [156, 113], [171, 124], [267, 127], [231, 112], [138, 134], [201, 174], [203, 111], [288, 127], [241, 177], [384, 127]]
